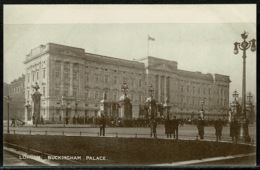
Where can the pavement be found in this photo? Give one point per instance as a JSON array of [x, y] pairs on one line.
[[186, 132]]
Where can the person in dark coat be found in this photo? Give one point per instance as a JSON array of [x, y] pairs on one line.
[[200, 126], [234, 129], [175, 124], [153, 126], [218, 129], [102, 123], [13, 121], [167, 127]]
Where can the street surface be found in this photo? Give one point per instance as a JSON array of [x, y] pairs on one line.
[[185, 131]]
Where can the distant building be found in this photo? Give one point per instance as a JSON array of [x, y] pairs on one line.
[[16, 92], [83, 78], [6, 93]]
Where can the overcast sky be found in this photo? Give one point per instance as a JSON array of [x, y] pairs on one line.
[[199, 38]]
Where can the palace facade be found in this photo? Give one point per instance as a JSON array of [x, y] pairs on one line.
[[82, 79]]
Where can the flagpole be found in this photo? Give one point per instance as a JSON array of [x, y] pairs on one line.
[[148, 47]]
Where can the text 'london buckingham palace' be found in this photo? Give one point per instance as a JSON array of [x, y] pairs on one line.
[[83, 78]]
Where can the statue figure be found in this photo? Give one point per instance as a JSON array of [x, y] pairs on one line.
[[36, 98], [36, 87]]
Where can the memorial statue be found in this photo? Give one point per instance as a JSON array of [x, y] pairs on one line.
[[36, 98]]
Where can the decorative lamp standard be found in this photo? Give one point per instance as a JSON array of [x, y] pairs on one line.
[[62, 110], [249, 97], [202, 111], [150, 91], [8, 101], [202, 104], [244, 46], [124, 88], [167, 107], [235, 95], [76, 107]]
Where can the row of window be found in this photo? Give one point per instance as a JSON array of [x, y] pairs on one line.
[[35, 76], [97, 78], [17, 89], [198, 102], [193, 89], [96, 95]]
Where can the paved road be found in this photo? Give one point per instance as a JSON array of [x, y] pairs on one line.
[[185, 132]]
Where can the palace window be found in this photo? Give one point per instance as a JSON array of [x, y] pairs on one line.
[[28, 77], [96, 95], [140, 83], [75, 75], [132, 82], [115, 95], [57, 74], [140, 97], [43, 91], [132, 96], [199, 90], [106, 78], [43, 73], [37, 75], [96, 78], [115, 80], [57, 92], [86, 94]]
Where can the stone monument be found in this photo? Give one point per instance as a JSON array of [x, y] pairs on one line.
[[36, 98]]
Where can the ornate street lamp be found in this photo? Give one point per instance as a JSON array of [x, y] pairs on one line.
[[63, 106], [235, 95], [124, 88], [244, 46], [202, 104], [8, 101], [150, 91], [249, 97], [167, 107]]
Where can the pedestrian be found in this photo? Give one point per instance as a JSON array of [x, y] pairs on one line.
[[167, 127], [200, 126], [175, 124], [13, 121], [218, 129], [153, 126], [42, 121], [102, 123], [234, 129]]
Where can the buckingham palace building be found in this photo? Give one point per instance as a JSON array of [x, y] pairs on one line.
[[83, 78]]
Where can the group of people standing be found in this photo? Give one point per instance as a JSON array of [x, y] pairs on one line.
[[171, 127]]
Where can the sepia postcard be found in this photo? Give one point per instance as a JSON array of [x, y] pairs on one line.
[[129, 85]]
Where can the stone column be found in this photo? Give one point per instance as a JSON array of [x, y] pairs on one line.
[[165, 89], [62, 78], [71, 80], [159, 88]]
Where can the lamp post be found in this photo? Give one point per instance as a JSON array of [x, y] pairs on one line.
[[244, 46], [249, 97], [235, 95], [124, 88], [8, 101], [62, 110], [167, 107], [202, 104], [202, 111], [150, 91]]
